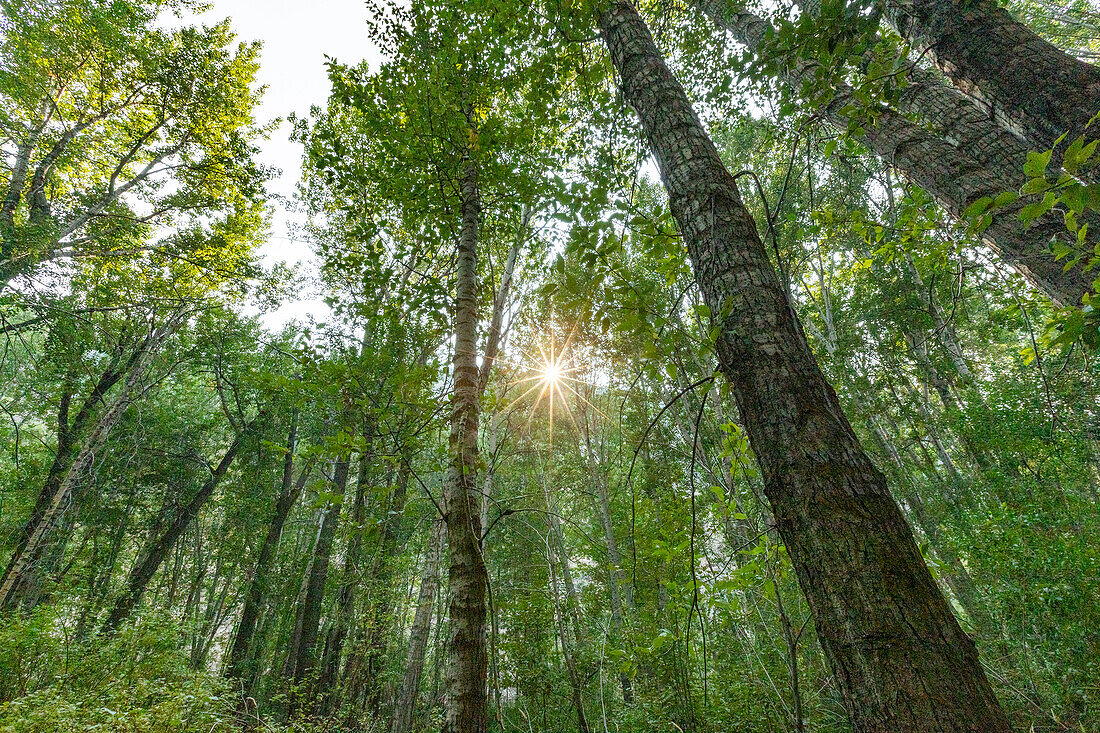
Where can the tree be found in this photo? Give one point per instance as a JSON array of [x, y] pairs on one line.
[[854, 553]]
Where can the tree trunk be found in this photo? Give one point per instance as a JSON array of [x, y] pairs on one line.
[[159, 548], [303, 658], [418, 635], [948, 174], [1029, 84], [350, 576], [379, 620], [241, 657], [467, 703], [900, 659], [67, 470], [568, 650]]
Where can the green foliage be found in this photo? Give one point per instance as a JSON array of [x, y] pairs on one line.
[[139, 680]]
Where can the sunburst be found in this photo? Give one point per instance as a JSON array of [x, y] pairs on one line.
[[552, 379]]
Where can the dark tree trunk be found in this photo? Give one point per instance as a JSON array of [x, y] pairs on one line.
[[241, 655], [159, 548], [302, 660], [350, 576], [1028, 83], [467, 673], [900, 659], [949, 174]]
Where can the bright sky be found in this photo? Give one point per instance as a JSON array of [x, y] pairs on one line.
[[296, 36]]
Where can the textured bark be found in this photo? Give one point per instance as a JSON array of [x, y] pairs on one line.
[[949, 174], [467, 672], [1027, 83], [405, 704], [241, 663], [899, 657], [166, 539]]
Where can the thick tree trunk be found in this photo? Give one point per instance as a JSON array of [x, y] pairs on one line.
[[467, 703], [241, 657], [947, 173], [900, 659], [159, 548], [1030, 85], [405, 704]]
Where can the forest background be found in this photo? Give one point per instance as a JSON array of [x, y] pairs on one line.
[[693, 366]]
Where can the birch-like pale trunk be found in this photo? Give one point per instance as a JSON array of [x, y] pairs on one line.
[[466, 709], [405, 705]]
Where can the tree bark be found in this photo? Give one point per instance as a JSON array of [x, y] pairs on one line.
[[467, 703], [900, 659], [303, 659], [947, 173], [159, 548], [1029, 84], [67, 470], [241, 661], [418, 635]]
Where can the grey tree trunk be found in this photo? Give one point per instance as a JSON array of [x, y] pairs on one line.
[[947, 173], [405, 705], [1030, 85], [899, 657], [467, 672]]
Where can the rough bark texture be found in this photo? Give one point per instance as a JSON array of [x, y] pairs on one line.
[[405, 705], [1027, 83], [948, 173], [467, 702], [900, 659], [159, 548], [241, 665]]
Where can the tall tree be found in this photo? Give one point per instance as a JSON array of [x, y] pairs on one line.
[[1025, 81], [899, 656]]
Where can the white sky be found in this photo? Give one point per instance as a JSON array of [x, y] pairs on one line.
[[296, 37]]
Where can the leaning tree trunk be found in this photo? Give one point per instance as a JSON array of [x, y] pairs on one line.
[[68, 470], [405, 704], [1031, 86], [467, 702], [302, 660], [241, 662], [949, 174], [159, 548], [899, 657]]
